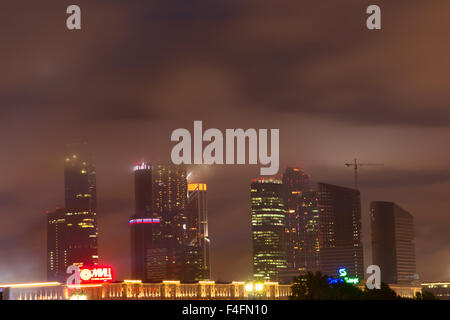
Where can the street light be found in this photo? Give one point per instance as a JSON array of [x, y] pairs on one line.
[[254, 289], [259, 287], [249, 287], [78, 296]]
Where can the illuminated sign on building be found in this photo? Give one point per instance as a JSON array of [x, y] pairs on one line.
[[142, 166], [343, 278], [342, 272], [96, 274], [334, 280], [145, 220]]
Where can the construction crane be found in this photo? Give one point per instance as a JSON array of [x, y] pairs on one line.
[[355, 164]]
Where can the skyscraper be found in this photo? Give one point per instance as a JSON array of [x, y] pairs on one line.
[[169, 200], [72, 231], [393, 242], [81, 207], [197, 242], [170, 190], [268, 228], [146, 261], [158, 227], [340, 230], [295, 183], [309, 231], [56, 245], [143, 190]]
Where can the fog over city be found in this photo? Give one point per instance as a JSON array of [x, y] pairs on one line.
[[137, 71]]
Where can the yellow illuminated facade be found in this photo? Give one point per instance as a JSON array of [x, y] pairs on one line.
[[137, 290], [441, 290], [268, 228], [197, 258], [176, 290], [197, 186]]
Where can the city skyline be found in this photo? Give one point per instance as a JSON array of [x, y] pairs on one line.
[[154, 198], [193, 172], [137, 71]]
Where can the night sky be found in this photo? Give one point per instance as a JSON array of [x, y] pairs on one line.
[[140, 69]]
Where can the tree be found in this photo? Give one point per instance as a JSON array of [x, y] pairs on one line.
[[311, 287], [425, 295], [345, 291], [384, 293], [316, 287]]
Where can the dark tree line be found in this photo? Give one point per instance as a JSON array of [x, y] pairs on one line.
[[316, 287]]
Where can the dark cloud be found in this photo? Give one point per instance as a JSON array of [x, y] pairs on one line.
[[6, 199], [138, 70], [384, 176]]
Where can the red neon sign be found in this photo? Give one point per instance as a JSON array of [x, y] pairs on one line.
[[96, 274]]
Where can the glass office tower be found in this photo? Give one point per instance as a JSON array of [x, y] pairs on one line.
[[72, 231], [340, 230], [81, 207], [56, 245], [393, 242], [147, 263], [268, 228], [197, 242], [295, 183]]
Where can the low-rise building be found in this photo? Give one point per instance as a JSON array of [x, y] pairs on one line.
[[441, 290], [137, 290]]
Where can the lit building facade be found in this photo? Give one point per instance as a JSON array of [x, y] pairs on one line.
[[147, 260], [176, 290], [268, 228], [440, 290], [137, 290], [393, 242], [169, 202], [158, 227], [295, 183], [72, 232], [309, 235], [197, 243], [340, 230], [56, 245], [170, 189], [81, 208]]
